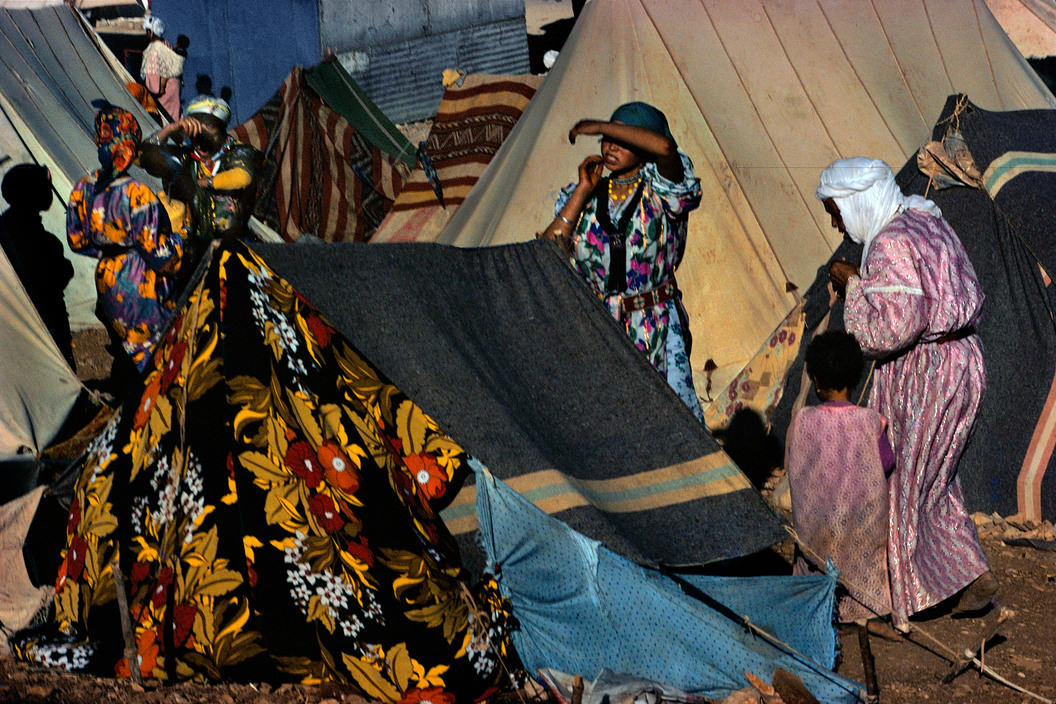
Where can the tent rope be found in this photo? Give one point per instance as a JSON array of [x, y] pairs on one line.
[[948, 651]]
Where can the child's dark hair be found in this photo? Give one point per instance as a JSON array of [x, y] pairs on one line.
[[834, 360]]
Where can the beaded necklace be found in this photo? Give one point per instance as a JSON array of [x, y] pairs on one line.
[[635, 180]]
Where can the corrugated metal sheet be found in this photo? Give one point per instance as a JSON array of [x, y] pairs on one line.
[[403, 78], [345, 25]]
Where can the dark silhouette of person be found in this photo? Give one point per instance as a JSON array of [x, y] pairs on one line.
[[35, 254]]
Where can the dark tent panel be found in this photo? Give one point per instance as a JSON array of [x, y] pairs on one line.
[[508, 351]]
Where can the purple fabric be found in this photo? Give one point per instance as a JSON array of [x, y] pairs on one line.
[[126, 228], [917, 286], [840, 501]]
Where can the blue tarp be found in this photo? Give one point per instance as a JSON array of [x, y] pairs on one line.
[[245, 45], [583, 608]]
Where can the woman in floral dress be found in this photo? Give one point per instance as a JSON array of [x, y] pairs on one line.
[[120, 221], [626, 233]]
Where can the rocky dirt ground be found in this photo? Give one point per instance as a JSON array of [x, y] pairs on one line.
[[909, 671]]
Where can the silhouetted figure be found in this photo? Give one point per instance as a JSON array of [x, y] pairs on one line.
[[203, 84], [35, 254]]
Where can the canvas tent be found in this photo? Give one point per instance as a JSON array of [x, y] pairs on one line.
[[762, 95], [52, 66], [1030, 24]]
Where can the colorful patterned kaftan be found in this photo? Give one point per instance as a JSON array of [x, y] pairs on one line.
[[912, 310], [125, 227], [273, 503], [655, 243]]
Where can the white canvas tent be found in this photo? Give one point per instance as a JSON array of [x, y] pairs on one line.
[[762, 95], [1030, 24], [52, 66]]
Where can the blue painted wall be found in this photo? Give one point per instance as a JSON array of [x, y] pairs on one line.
[[246, 45]]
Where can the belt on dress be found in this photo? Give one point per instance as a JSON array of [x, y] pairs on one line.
[[647, 299], [956, 335]]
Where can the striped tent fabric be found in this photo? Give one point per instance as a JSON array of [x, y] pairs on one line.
[[472, 122], [321, 176]]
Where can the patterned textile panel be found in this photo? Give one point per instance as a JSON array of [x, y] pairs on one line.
[[472, 122], [272, 502], [1016, 153], [321, 177], [761, 383]]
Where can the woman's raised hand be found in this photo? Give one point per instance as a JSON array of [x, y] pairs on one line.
[[590, 171], [188, 126], [585, 127]]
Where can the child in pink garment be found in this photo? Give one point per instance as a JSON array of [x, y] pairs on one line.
[[837, 456]]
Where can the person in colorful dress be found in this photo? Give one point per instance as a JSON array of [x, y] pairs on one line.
[[119, 221], [626, 233], [162, 68], [225, 169], [837, 456], [913, 305], [35, 254]]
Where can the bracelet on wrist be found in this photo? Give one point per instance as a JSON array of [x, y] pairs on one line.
[[565, 220]]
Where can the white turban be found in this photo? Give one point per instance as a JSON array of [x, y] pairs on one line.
[[867, 196], [154, 24]]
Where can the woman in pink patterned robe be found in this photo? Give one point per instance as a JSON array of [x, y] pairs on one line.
[[913, 307]]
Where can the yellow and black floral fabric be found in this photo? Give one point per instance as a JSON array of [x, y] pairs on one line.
[[271, 502]]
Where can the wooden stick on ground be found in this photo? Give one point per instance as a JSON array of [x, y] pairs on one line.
[[868, 665], [577, 690], [131, 651], [992, 623]]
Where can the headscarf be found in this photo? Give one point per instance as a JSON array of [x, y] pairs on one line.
[[867, 196], [210, 105], [117, 135], [154, 24], [639, 114]]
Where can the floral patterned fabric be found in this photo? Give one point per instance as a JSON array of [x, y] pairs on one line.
[[124, 226], [273, 504], [654, 248]]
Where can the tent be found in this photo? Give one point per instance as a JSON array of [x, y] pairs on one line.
[[269, 503], [53, 67], [1030, 24], [507, 351], [333, 162], [473, 120], [762, 95]]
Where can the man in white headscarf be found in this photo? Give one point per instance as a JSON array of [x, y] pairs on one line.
[[161, 68], [912, 305]]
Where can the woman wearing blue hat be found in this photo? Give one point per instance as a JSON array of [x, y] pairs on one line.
[[626, 233]]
